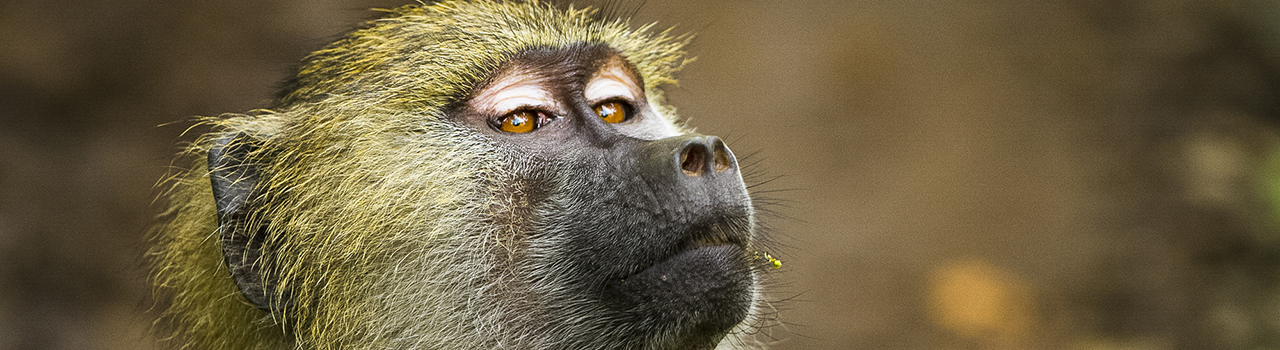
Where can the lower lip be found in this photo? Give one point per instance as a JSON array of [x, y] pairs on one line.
[[706, 271]]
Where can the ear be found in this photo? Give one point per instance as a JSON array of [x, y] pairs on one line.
[[234, 177]]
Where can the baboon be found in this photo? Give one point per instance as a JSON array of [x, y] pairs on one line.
[[465, 175]]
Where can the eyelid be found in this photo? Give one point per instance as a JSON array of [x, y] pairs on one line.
[[607, 87], [619, 99], [530, 108], [518, 103], [513, 93]]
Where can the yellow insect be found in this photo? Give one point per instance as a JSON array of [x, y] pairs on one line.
[[777, 264]]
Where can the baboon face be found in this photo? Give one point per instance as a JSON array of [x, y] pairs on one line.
[[473, 175], [627, 215]]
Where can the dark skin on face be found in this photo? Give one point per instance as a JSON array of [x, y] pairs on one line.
[[652, 224]]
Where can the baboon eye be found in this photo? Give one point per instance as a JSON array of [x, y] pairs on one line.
[[523, 121], [613, 111]]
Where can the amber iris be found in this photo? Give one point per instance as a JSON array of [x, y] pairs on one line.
[[520, 122], [612, 112]]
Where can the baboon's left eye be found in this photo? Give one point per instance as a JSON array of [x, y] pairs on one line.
[[523, 121], [613, 111]]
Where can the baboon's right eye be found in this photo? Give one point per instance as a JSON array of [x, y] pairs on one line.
[[523, 121], [614, 112]]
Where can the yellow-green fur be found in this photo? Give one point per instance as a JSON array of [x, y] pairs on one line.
[[370, 186]]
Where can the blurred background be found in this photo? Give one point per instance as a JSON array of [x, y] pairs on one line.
[[1059, 174]]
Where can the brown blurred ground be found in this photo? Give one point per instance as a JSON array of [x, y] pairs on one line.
[[955, 174]]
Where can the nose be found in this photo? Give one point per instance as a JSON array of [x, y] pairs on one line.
[[701, 155], [693, 165]]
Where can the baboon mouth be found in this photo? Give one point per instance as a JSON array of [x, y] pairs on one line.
[[717, 237], [710, 250]]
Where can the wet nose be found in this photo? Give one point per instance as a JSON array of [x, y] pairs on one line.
[[693, 162], [701, 155]]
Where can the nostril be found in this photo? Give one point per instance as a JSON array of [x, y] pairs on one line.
[[693, 159], [721, 156]]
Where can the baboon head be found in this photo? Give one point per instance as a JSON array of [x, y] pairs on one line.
[[465, 175]]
